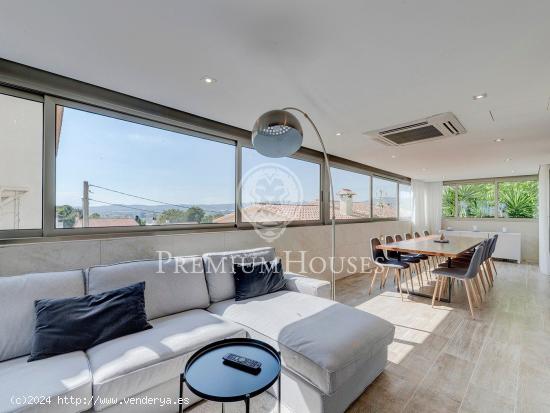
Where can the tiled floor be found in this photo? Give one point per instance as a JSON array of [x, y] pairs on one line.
[[443, 361]]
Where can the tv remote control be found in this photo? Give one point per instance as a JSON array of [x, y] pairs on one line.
[[242, 363]]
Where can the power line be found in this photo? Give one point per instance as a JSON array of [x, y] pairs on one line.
[[140, 197], [124, 206]]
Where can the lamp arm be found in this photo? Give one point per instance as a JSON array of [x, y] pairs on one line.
[[332, 200]]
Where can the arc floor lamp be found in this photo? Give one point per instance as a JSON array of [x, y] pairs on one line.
[[277, 134]]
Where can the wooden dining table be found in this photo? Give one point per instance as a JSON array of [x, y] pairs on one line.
[[428, 246]]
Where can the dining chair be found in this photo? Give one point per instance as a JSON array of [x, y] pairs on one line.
[[385, 265], [464, 261], [426, 233], [423, 266], [405, 258], [463, 274], [417, 235], [408, 236]]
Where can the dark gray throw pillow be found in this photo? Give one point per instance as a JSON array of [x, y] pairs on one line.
[[253, 280], [72, 324]]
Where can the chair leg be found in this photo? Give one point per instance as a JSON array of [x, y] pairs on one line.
[[480, 286], [383, 277], [418, 271], [443, 285], [469, 297], [399, 282], [410, 279], [481, 279], [477, 288], [488, 273], [489, 270], [474, 293], [405, 277], [437, 282]]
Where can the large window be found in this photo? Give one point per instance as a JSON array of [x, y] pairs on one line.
[[518, 199], [449, 201], [498, 198], [279, 189], [352, 194], [71, 167], [115, 173], [476, 200], [20, 163], [405, 201], [384, 194]]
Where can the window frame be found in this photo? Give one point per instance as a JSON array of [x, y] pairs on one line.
[[359, 171], [495, 182], [299, 156], [399, 202], [49, 204], [52, 89], [36, 232], [385, 178]]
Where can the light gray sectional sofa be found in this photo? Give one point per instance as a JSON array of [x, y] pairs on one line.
[[330, 352]]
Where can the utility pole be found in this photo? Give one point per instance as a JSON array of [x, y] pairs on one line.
[[85, 205]]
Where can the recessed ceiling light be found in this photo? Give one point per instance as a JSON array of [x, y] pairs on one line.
[[477, 97], [499, 140], [513, 171], [394, 156], [507, 159], [338, 133], [209, 80], [423, 169]]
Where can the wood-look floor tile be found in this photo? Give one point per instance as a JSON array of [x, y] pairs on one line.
[[479, 400], [468, 340], [497, 368]]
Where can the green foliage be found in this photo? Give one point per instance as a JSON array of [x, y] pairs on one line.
[[448, 201], [68, 215], [518, 199], [95, 215], [177, 216], [476, 200]]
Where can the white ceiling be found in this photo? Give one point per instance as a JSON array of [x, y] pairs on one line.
[[354, 65]]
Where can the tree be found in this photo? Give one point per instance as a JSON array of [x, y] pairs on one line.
[[208, 219], [518, 199], [175, 216], [95, 215], [448, 201], [194, 214], [68, 215], [171, 216]]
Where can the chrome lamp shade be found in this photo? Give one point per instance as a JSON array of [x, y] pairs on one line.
[[277, 134]]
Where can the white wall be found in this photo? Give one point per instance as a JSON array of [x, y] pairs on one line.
[[353, 240], [21, 160], [529, 229]]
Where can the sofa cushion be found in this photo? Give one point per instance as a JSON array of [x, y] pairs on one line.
[[64, 325], [17, 297], [253, 280], [128, 365], [321, 340], [218, 267], [65, 375], [173, 285]]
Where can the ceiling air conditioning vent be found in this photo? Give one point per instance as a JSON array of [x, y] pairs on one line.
[[421, 130]]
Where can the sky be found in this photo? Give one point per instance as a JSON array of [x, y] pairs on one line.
[[177, 169], [140, 160]]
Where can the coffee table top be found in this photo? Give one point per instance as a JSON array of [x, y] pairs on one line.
[[208, 377]]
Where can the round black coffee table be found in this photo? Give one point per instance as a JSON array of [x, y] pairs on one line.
[[208, 377]]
